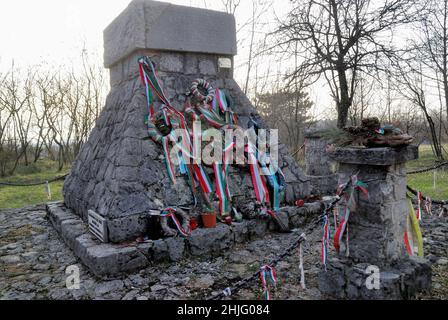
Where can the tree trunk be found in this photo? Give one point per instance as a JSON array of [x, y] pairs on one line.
[[344, 104]]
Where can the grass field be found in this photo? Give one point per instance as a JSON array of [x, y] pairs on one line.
[[17, 197], [424, 182]]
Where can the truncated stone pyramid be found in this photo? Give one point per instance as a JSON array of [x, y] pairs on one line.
[[119, 173]]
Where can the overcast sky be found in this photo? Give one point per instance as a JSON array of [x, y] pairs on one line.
[[33, 30], [55, 31]]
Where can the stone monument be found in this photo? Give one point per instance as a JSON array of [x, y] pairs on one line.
[[117, 173], [377, 228], [119, 177]]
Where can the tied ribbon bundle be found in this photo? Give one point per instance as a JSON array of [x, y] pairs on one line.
[[211, 117], [214, 104], [258, 180], [168, 161], [171, 213], [273, 176], [222, 190], [267, 272], [220, 104], [150, 80], [343, 224]]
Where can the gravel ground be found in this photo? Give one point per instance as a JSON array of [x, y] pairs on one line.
[[33, 263]]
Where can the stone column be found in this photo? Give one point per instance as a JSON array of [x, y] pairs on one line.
[[376, 230], [320, 168]]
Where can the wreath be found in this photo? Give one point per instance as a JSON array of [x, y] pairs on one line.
[[173, 213], [160, 126], [202, 90]]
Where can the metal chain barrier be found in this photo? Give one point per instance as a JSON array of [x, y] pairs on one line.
[[287, 252], [440, 202], [13, 184], [429, 169]]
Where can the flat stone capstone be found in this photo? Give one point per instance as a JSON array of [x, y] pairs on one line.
[[146, 24]]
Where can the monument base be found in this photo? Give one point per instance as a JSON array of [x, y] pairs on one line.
[[108, 260]]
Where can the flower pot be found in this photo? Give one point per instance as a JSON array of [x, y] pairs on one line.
[[209, 220]]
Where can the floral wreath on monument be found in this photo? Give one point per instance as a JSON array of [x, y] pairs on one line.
[[214, 106]]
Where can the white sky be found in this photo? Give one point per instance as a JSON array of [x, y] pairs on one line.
[[36, 30], [50, 30], [55, 31]]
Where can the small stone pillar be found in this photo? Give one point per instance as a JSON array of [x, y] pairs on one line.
[[320, 168], [376, 230]]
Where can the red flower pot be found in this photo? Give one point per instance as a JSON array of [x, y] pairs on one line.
[[209, 220]]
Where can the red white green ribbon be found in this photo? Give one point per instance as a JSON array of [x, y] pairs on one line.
[[258, 180], [171, 213], [221, 189], [149, 98], [267, 272], [220, 102], [341, 229], [211, 117], [202, 178], [343, 224]]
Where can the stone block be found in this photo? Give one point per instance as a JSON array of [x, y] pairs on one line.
[[400, 280], [156, 25], [207, 67], [176, 248], [203, 242], [108, 260], [257, 228], [57, 215], [375, 156], [240, 231], [104, 260], [132, 226], [171, 62], [191, 64]]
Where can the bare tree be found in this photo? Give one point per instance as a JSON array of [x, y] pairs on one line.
[[288, 111], [340, 39], [411, 87], [231, 5], [15, 93]]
